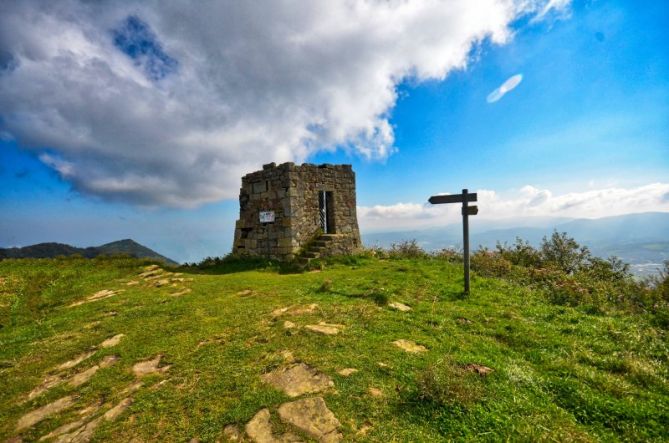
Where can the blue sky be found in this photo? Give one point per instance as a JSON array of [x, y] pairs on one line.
[[589, 119]]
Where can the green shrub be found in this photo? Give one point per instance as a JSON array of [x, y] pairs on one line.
[[490, 264], [564, 252], [521, 253], [406, 249]]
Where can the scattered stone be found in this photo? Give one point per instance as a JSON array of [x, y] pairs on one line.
[[111, 314], [399, 306], [232, 433], [288, 356], [375, 392], [113, 341], [149, 367], [325, 328], [180, 293], [132, 283], [288, 324], [92, 325], [383, 365], [300, 310], [298, 379], [346, 372], [312, 416], [151, 267], [479, 369], [67, 427], [409, 346], [259, 429], [75, 361], [245, 292], [463, 321], [34, 417], [364, 429]]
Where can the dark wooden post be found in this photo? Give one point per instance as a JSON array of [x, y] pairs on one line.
[[467, 210], [465, 236]]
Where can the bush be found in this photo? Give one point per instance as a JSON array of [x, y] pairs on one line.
[[521, 253], [564, 252], [406, 249], [490, 264]]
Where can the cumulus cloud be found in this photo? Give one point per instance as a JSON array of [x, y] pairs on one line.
[[169, 103], [528, 201], [509, 85]]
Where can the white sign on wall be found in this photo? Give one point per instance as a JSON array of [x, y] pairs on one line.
[[266, 216]]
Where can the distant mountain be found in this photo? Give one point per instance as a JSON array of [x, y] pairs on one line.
[[50, 250], [639, 239]]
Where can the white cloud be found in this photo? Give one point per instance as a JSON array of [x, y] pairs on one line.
[[509, 85], [528, 201], [246, 83]]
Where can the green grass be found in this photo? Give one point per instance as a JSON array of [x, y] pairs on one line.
[[560, 373]]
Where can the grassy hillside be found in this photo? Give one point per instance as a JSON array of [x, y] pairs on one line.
[[500, 364]]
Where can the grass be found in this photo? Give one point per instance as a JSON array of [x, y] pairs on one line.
[[559, 373]]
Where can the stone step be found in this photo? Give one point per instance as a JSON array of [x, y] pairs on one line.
[[327, 237], [321, 243]]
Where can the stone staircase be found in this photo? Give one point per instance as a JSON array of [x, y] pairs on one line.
[[315, 249]]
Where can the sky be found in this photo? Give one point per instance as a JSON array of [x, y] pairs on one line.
[[138, 119]]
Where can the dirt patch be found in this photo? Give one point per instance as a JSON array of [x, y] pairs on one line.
[[36, 416], [312, 416], [410, 346], [149, 367], [259, 429], [347, 372], [325, 328], [375, 392], [479, 369], [113, 341], [399, 306], [298, 379]]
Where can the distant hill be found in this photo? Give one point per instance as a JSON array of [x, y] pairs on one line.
[[50, 250], [639, 239]]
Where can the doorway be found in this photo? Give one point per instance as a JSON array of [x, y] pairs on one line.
[[326, 211]]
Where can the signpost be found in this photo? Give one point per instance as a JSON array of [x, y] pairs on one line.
[[467, 210]]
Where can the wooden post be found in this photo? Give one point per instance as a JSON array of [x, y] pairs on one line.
[[465, 237], [467, 210]]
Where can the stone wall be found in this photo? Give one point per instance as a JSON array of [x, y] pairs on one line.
[[291, 193]]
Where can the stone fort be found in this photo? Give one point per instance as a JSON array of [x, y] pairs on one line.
[[290, 210]]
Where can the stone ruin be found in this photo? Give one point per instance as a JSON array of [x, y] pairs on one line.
[[288, 211]]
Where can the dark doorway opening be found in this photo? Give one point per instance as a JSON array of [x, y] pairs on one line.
[[326, 211]]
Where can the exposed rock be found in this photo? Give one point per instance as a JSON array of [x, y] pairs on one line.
[[259, 429], [325, 328], [289, 324], [75, 361], [311, 415], [67, 427], [347, 372], [295, 310], [232, 433], [409, 346], [82, 377], [180, 293], [113, 341], [132, 283], [34, 417], [84, 433], [49, 382], [100, 295], [479, 369], [463, 321], [399, 306], [288, 356], [149, 367], [245, 292], [298, 379]]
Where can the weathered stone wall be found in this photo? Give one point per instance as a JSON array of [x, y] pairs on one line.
[[291, 192]]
